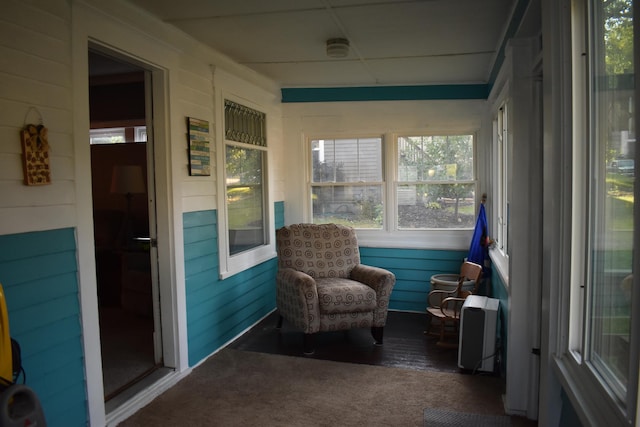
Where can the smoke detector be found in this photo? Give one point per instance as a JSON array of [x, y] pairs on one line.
[[337, 48]]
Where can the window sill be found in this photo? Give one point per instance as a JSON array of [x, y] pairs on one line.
[[244, 261], [501, 263], [593, 405], [447, 239]]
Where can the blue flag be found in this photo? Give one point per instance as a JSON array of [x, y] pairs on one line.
[[478, 249]]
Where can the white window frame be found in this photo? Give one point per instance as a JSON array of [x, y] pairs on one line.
[[233, 264], [389, 236], [500, 170]]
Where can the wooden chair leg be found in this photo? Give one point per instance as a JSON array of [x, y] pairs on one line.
[[429, 324], [309, 344], [377, 332], [443, 334]]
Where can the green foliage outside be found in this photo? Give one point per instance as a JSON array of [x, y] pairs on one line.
[[618, 26]]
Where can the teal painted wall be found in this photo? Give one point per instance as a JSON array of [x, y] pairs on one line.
[[499, 291], [218, 310], [413, 269], [385, 93], [568, 417], [38, 272]]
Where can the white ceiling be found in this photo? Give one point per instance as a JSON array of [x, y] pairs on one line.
[[393, 42]]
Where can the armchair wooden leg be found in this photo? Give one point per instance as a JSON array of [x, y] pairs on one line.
[[279, 324], [309, 344], [377, 332]]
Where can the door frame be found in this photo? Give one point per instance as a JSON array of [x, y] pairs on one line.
[[173, 320]]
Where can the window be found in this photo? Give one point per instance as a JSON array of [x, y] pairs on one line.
[[244, 167], [246, 217], [436, 182], [611, 202], [106, 136], [432, 184], [347, 182], [601, 313], [501, 146], [245, 198], [118, 135]]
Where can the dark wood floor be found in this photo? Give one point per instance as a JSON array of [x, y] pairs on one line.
[[405, 344]]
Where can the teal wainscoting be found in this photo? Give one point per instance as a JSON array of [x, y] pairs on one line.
[[568, 417], [499, 291], [38, 272], [413, 269], [218, 310]]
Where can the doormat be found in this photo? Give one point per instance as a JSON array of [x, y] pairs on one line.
[[439, 418]]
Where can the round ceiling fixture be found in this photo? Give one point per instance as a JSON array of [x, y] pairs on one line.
[[337, 48]]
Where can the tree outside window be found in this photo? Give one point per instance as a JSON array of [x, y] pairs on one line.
[[436, 182]]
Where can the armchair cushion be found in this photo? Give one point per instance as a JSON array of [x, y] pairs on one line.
[[338, 295]]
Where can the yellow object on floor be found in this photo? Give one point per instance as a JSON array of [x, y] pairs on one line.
[[6, 362]]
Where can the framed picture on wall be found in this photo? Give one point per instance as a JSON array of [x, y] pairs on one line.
[[199, 151]]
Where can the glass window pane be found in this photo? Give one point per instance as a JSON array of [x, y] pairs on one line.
[[356, 206], [612, 202], [435, 158], [245, 198], [436, 206], [347, 160], [107, 136]]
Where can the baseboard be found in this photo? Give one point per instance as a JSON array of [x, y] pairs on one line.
[[130, 401]]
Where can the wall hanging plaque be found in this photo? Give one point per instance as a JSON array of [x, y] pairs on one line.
[[35, 154], [199, 155]]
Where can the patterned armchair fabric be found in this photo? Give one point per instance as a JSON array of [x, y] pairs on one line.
[[321, 285]]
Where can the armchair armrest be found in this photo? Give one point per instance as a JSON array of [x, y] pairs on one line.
[[382, 282], [297, 299], [379, 279]]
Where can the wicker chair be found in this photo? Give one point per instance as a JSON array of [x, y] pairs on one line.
[[322, 286]]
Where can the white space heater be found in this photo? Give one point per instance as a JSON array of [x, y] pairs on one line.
[[477, 346]]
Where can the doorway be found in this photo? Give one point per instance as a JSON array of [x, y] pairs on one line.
[[121, 146]]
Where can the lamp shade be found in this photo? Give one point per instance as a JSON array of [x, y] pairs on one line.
[[127, 179]]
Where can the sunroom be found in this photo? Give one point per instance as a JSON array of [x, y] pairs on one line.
[[227, 121]]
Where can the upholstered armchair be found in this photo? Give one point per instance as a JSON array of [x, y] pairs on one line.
[[321, 285]]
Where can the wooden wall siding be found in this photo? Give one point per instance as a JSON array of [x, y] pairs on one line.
[[35, 70], [195, 100], [413, 269], [38, 272], [219, 310]]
